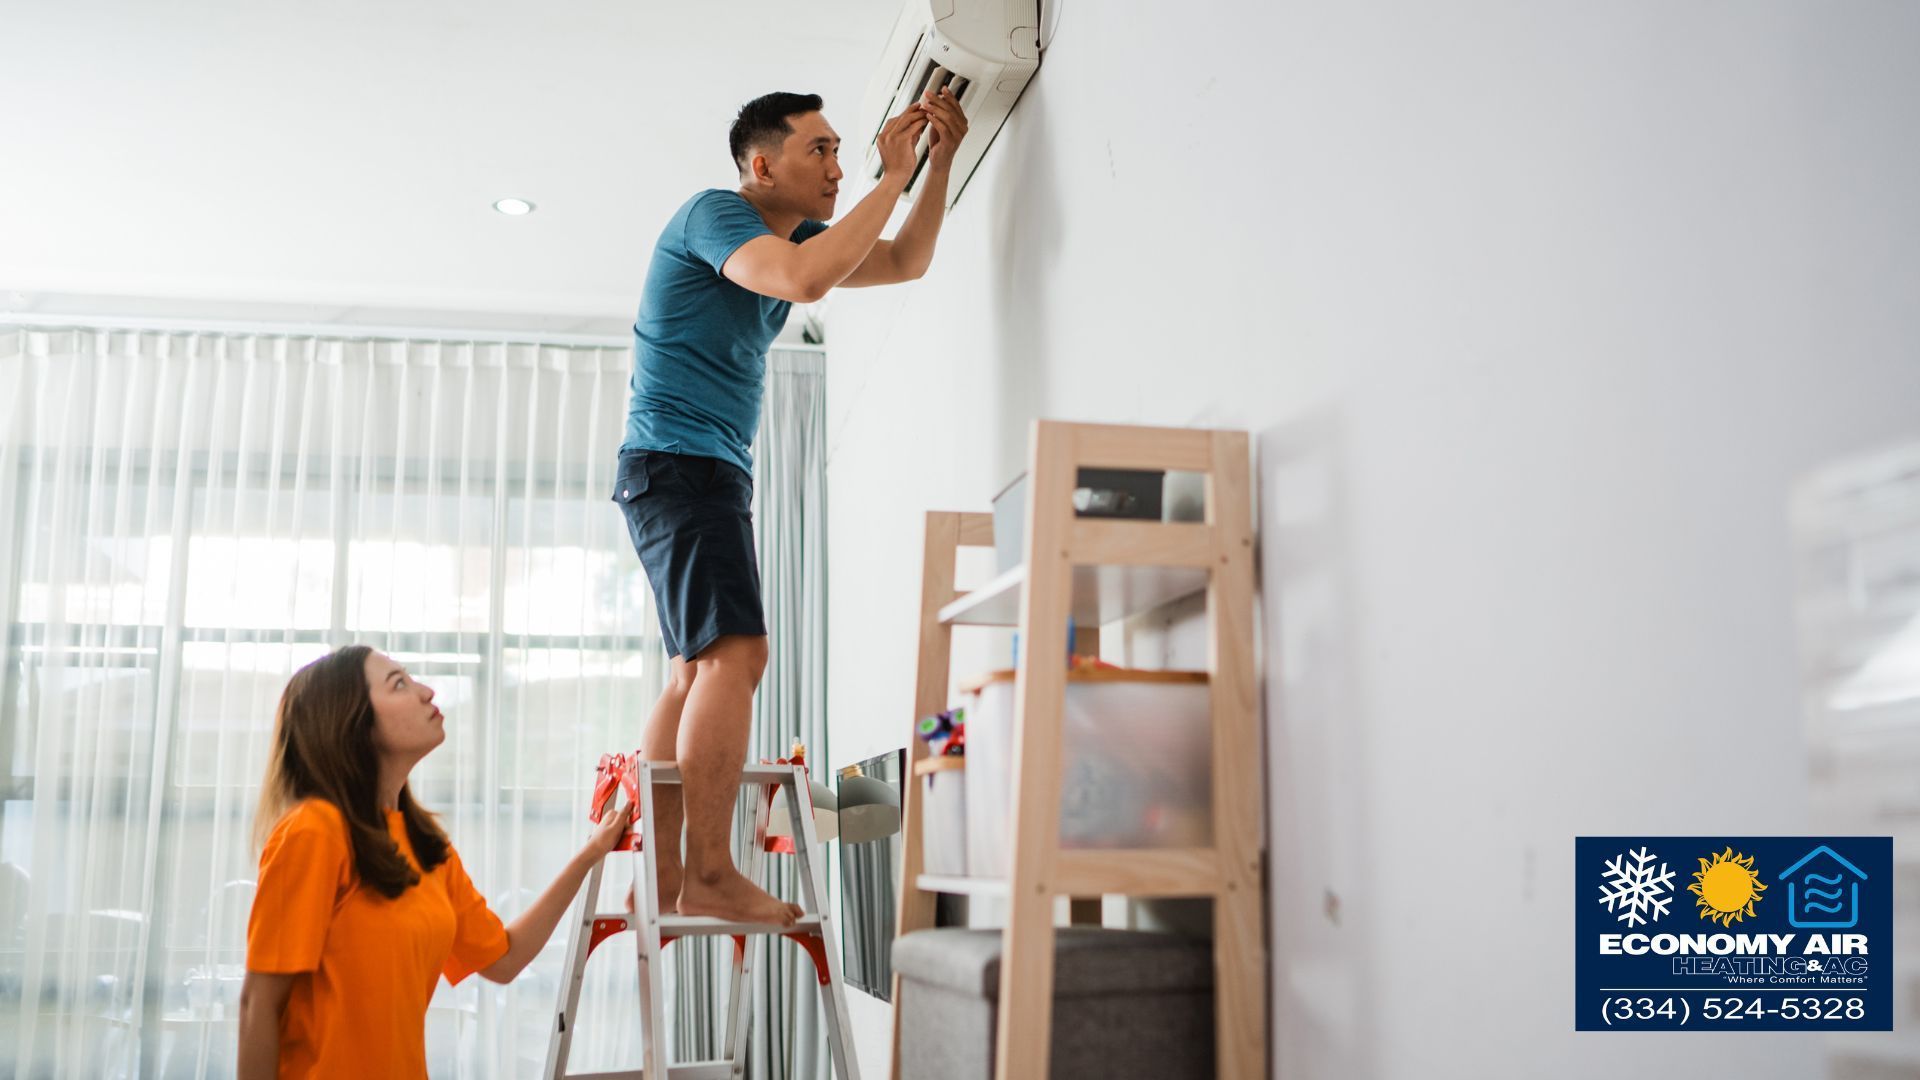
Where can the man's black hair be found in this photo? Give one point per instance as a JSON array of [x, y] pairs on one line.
[[764, 120]]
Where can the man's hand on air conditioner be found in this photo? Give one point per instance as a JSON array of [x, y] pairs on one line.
[[898, 139], [949, 126]]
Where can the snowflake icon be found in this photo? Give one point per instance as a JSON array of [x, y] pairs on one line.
[[1634, 887]]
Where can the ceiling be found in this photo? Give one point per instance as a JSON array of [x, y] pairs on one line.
[[337, 162]]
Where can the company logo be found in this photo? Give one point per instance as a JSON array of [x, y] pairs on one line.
[[1812, 895], [1727, 887], [1786, 934], [1639, 892]]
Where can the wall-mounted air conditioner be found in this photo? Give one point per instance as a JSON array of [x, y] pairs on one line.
[[986, 50]]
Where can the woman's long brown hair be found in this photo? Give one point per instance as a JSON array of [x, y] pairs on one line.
[[323, 749]]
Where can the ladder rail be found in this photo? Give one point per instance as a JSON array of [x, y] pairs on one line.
[[646, 904], [813, 882], [560, 1042], [747, 955]]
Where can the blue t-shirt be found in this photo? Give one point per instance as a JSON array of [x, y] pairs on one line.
[[700, 343]]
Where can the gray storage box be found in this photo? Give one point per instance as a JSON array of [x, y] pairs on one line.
[[1126, 1004]]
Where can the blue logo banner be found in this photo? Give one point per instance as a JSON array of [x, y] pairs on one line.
[[1757, 933]]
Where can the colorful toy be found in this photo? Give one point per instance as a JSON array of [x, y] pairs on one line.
[[937, 726], [945, 732]]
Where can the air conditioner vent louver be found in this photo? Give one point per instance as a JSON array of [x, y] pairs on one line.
[[932, 78], [912, 55]]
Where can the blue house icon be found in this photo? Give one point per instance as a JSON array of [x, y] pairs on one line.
[[1815, 897]]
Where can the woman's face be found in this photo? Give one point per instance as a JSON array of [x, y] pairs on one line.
[[406, 724]]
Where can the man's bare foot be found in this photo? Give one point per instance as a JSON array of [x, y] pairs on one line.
[[729, 895], [669, 878]]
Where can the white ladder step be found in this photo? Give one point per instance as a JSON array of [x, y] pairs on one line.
[[766, 774], [694, 1070], [710, 926]]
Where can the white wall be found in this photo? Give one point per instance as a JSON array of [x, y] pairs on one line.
[[1537, 311], [338, 162]]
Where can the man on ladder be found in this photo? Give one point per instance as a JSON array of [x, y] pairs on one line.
[[724, 273]]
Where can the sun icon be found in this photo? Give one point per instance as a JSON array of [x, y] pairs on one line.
[[1727, 887]]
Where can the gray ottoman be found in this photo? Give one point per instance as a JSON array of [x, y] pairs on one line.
[[1126, 1004]]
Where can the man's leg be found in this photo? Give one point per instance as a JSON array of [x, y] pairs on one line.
[[712, 748], [657, 743]]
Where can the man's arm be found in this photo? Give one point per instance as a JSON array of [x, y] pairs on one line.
[[907, 256], [803, 273]]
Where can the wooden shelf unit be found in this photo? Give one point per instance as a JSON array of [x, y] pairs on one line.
[[1097, 571]]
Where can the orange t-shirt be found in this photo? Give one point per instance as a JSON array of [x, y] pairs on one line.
[[367, 964]]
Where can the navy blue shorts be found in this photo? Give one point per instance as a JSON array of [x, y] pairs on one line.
[[691, 521]]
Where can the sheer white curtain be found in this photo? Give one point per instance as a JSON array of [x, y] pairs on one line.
[[790, 530], [187, 518]]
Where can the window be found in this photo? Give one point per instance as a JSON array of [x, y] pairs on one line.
[[187, 519]]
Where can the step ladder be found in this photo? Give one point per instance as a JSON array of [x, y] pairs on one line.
[[654, 931]]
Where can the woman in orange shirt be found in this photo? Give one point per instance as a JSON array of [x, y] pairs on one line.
[[362, 903]]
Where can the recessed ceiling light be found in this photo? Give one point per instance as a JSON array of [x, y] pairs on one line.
[[513, 207]]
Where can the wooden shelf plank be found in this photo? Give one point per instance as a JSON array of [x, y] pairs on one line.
[[1138, 872], [1133, 872], [976, 530], [1101, 594], [1122, 542], [1127, 446], [962, 886]]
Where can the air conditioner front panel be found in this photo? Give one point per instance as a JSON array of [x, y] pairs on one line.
[[971, 48]]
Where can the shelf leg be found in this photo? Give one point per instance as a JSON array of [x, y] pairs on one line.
[[916, 908], [1026, 953], [1239, 940]]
